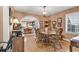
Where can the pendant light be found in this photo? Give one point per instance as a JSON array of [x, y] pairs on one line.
[[44, 11]]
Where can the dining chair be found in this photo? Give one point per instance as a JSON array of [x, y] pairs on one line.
[[74, 42], [52, 42], [59, 35], [8, 46], [59, 32], [38, 35], [45, 38], [56, 38]]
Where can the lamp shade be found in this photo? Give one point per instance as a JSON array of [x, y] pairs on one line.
[[44, 13], [15, 20]]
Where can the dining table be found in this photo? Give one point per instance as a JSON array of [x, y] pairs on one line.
[[50, 38], [49, 35]]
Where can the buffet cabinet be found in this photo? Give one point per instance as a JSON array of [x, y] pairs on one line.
[[44, 24], [18, 44]]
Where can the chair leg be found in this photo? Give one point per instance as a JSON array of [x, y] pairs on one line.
[[60, 44], [70, 48], [54, 47]]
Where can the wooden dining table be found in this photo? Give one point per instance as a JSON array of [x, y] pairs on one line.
[[48, 35]]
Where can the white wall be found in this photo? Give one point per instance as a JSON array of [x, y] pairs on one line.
[[5, 23]]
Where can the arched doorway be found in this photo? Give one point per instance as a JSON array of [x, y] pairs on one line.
[[29, 23]]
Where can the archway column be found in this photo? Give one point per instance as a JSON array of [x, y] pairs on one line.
[[5, 23]]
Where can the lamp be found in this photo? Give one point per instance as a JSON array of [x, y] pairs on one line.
[[14, 20], [44, 12]]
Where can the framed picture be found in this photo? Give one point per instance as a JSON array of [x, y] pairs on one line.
[[59, 22], [41, 24], [54, 24]]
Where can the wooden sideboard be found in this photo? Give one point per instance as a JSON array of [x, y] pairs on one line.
[[18, 44]]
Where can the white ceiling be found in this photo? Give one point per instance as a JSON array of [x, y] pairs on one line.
[[37, 10]]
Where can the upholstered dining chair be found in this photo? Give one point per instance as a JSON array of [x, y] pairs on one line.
[[74, 42]]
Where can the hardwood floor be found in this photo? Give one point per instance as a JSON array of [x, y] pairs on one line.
[[31, 46]]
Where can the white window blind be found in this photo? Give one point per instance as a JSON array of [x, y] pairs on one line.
[[72, 23]]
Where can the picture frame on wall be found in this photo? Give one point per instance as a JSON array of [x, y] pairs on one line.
[[54, 24], [41, 24], [59, 22]]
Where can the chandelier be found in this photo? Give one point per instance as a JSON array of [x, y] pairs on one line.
[[44, 11]]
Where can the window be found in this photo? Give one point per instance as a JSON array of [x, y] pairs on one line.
[[72, 23]]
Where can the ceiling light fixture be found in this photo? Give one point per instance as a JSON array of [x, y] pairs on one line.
[[44, 12]]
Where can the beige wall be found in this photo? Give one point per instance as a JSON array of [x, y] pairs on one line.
[[20, 15], [1, 23], [62, 14]]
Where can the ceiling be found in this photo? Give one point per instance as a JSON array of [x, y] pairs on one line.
[[38, 10]]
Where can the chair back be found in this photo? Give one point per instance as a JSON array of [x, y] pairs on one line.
[[9, 43], [17, 33], [59, 31], [37, 32]]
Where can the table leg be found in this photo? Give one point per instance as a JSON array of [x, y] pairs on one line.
[[70, 48]]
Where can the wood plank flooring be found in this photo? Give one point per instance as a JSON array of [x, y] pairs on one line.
[[30, 45]]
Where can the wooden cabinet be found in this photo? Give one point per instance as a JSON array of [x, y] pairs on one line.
[[18, 44], [47, 24], [44, 24]]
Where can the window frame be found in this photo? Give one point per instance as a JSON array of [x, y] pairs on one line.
[[66, 24]]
